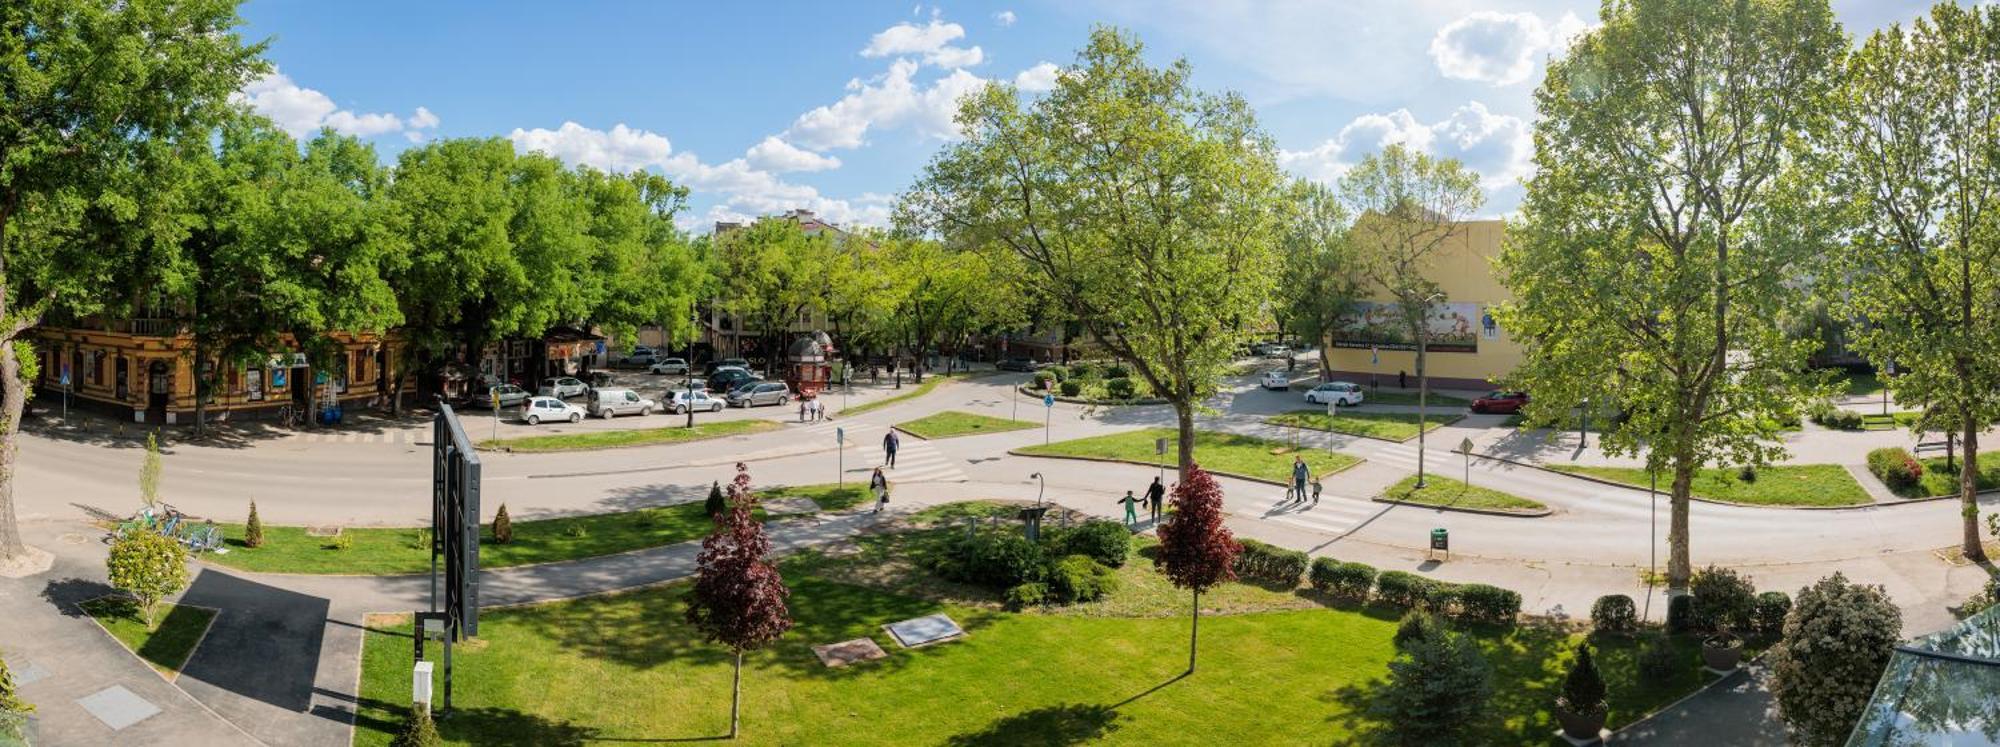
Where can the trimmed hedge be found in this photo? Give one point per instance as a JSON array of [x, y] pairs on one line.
[[1488, 604], [1107, 542], [1078, 578], [1059, 373], [1270, 565], [1044, 380], [1402, 589], [1829, 416], [1896, 467], [1120, 388], [1072, 388], [1614, 613]]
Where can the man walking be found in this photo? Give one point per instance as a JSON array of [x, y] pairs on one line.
[[1300, 473], [1156, 495], [889, 444], [1131, 504]]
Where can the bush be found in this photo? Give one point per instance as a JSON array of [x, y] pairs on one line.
[[1402, 588], [11, 704], [1437, 691], [1120, 388], [1767, 617], [149, 566], [1321, 573], [1081, 370], [1680, 614], [341, 541], [1352, 581], [1023, 596], [1747, 473], [1488, 604], [1896, 467], [1417, 624], [503, 526], [1583, 689], [1658, 663], [1827, 415], [1443, 597], [1059, 373], [1614, 613], [419, 730], [253, 529], [1072, 388], [997, 561], [1044, 379], [1080, 579], [1107, 542], [1116, 371], [1270, 565], [1837, 640], [575, 531], [1723, 600], [716, 503]]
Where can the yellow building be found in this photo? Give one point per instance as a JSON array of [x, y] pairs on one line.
[[1467, 348]]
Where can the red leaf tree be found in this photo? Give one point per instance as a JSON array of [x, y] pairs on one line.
[[1196, 550], [738, 599]]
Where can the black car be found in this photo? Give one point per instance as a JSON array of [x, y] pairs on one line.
[[725, 363], [1016, 364], [729, 379]]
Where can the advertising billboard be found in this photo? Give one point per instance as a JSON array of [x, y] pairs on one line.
[[1453, 327]]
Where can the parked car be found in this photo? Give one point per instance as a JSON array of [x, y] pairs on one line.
[[640, 357], [1016, 364], [508, 396], [563, 387], [680, 402], [1501, 402], [598, 378], [728, 379], [721, 363], [1348, 395], [1276, 380], [1278, 351], [610, 403], [539, 410], [760, 393], [1260, 348], [668, 366]]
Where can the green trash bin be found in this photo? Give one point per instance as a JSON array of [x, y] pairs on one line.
[[1441, 541]]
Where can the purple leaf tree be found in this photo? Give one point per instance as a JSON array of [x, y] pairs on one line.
[[738, 599], [1196, 550]]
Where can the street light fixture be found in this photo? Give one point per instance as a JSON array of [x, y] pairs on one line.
[[1423, 382], [1044, 485]]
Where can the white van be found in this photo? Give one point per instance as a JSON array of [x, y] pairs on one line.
[[609, 403]]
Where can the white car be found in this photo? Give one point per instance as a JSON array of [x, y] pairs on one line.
[[682, 401], [610, 403], [562, 388], [1348, 395], [1276, 380], [1278, 351], [539, 410], [668, 366]]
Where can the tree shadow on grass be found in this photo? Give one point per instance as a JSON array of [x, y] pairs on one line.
[[1069, 723], [67, 593], [483, 726]]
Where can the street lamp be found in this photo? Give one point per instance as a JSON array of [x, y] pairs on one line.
[[1044, 485], [694, 324], [1423, 384]]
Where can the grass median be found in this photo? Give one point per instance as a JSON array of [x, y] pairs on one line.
[[1221, 453], [1390, 426], [1821, 485], [953, 423], [1400, 397], [931, 381], [167, 644], [1445, 492], [589, 440]]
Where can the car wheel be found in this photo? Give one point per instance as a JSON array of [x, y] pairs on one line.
[[717, 408], [576, 418], [644, 411], [534, 420], [783, 400]]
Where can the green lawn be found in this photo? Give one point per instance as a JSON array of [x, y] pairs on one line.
[[167, 644], [952, 423], [1444, 491], [1858, 383], [1222, 453], [569, 673], [1940, 481], [1392, 426], [931, 381], [1779, 485], [637, 437], [829, 496], [393, 551], [1400, 397]]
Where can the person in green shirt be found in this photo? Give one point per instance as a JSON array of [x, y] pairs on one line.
[[1131, 508]]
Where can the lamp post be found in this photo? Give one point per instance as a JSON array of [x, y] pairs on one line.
[[1043, 485], [694, 323], [1423, 383]]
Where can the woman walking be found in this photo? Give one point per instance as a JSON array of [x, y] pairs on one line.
[[879, 485]]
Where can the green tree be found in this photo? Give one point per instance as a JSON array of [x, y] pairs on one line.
[[253, 529], [149, 472], [149, 566], [13, 710], [1913, 150], [454, 195], [95, 92], [1319, 268], [1144, 208], [947, 294], [1437, 691], [1837, 640], [1659, 240]]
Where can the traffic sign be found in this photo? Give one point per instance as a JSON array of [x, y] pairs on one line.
[[1465, 446], [840, 435], [1159, 446], [1374, 356], [1049, 400]]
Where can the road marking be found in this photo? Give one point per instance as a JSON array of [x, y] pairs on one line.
[[1331, 515]]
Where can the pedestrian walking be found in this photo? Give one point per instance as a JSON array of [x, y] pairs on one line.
[[804, 405], [1316, 489], [1402, 380], [890, 442], [819, 411], [1156, 494], [1300, 473], [879, 485], [1131, 503]]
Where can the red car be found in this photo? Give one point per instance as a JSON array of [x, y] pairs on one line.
[[1500, 402]]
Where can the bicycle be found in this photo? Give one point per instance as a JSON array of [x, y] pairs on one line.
[[292, 417]]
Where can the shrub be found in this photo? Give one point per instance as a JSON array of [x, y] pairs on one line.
[[1747, 473], [1837, 640], [1059, 373], [1417, 624], [1488, 604], [418, 730], [1352, 581], [341, 541], [1437, 691], [1072, 388], [1116, 371], [1402, 588], [716, 503], [1658, 663], [1078, 578], [1320, 574], [1107, 542], [1680, 614], [1120, 388], [1896, 467], [503, 526], [149, 566], [1081, 370], [1583, 688], [997, 561], [149, 472], [1023, 596], [1270, 565], [420, 540], [253, 529], [575, 530], [1825, 414], [12, 707], [1614, 613], [1443, 598], [1044, 379], [1723, 600], [1767, 617]]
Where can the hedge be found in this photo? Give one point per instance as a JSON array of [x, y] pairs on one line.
[[1402, 588], [1349, 581], [1833, 417], [1267, 564], [1614, 613], [1896, 467], [1488, 604]]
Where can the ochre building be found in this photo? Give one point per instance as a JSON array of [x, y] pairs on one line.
[[1468, 348]]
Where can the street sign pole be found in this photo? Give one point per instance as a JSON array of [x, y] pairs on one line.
[[840, 444], [1465, 447], [1160, 450], [1048, 411]]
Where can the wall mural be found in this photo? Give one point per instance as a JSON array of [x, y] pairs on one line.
[[1453, 327]]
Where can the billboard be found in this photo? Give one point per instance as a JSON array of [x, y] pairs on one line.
[[1453, 327]]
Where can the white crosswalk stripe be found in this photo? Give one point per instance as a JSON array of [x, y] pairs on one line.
[[916, 461], [1332, 515]]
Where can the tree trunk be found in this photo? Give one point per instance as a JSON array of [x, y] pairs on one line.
[[201, 387], [1194, 631], [736, 695], [1325, 356], [13, 399], [1968, 492], [396, 401], [1679, 569], [1184, 412]]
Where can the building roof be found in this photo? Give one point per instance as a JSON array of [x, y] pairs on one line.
[[1943, 688]]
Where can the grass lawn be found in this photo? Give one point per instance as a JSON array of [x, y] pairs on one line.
[[1858, 383], [542, 675], [1778, 485], [931, 381], [829, 496], [1938, 480], [950, 423], [1400, 397], [636, 437], [167, 644], [1444, 491], [1222, 453], [392, 551], [1392, 426]]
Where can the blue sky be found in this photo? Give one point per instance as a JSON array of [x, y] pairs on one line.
[[835, 107]]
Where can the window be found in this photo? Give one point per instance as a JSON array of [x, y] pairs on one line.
[[359, 370], [253, 383]]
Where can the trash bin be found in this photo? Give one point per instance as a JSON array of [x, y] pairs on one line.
[[1441, 541]]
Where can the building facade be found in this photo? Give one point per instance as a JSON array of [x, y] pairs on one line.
[[1466, 346]]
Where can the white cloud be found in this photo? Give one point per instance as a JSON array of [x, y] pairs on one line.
[[303, 111], [931, 42], [1500, 48], [892, 100], [1041, 77], [620, 150], [1497, 146], [777, 155], [1005, 18]]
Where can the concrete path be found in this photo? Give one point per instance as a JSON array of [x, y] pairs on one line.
[[1738, 711]]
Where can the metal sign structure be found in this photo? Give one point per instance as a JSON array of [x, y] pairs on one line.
[[455, 473]]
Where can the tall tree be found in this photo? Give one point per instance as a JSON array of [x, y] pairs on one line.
[[770, 272], [1659, 240], [454, 195], [1145, 208], [1914, 148], [738, 599], [93, 96], [1319, 272], [1196, 550], [643, 268]]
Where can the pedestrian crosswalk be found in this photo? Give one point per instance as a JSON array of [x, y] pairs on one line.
[[1332, 515]]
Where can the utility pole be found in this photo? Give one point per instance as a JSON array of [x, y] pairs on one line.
[[1423, 382]]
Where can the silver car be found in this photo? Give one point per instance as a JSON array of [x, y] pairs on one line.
[[503, 396], [682, 401], [760, 393], [669, 366], [610, 403], [563, 388]]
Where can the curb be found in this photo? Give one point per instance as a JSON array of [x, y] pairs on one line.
[[1630, 486], [1482, 511], [1358, 461]]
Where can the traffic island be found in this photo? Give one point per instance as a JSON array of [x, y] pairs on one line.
[[166, 644], [592, 440], [951, 424], [1780, 485], [1229, 454], [1452, 495], [1386, 426]]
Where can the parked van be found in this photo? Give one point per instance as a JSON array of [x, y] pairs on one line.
[[610, 403]]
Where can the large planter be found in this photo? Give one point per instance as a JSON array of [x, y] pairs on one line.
[[1580, 727], [1722, 654]]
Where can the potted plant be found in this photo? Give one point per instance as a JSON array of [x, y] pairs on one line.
[[1581, 708], [1722, 650], [1723, 602]]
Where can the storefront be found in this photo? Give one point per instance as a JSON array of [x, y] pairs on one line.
[[151, 378]]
